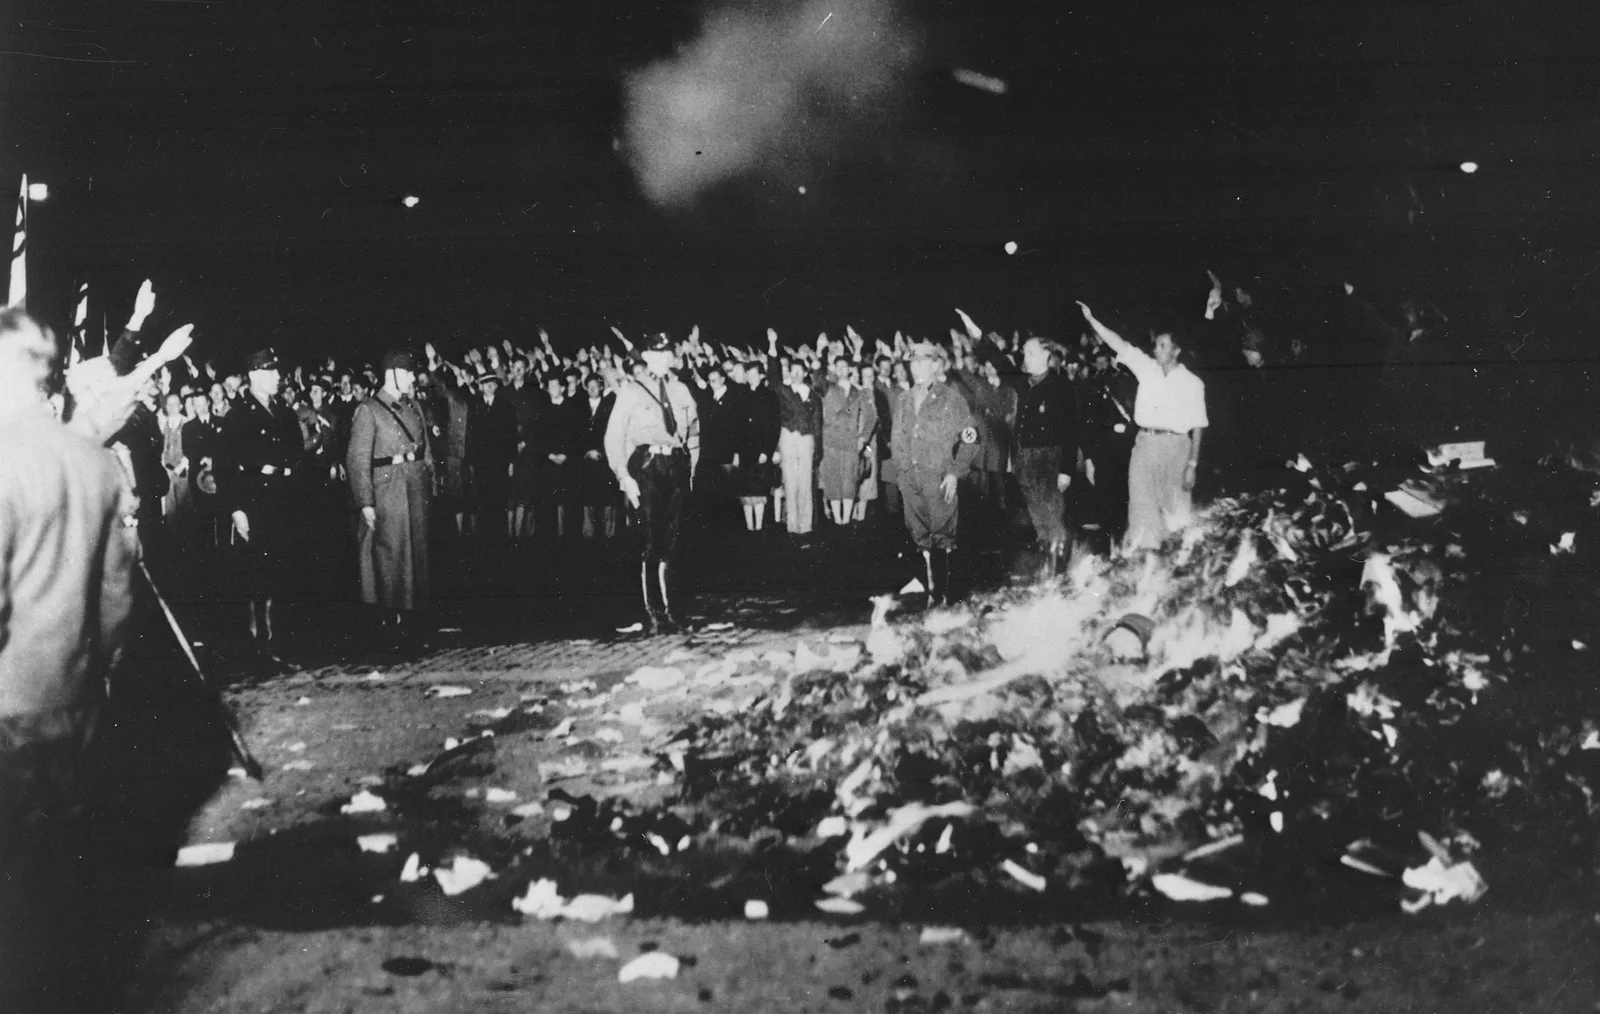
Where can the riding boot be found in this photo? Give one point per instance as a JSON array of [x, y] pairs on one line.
[[670, 622], [1047, 561], [943, 562], [653, 617], [928, 577]]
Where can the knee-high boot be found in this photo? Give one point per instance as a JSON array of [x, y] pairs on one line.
[[653, 618], [943, 566], [669, 621]]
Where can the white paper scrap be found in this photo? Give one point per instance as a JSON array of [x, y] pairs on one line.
[[464, 874], [1441, 883], [1027, 878], [205, 855], [364, 802], [655, 965], [413, 870], [933, 936], [1180, 888], [839, 906], [593, 947]]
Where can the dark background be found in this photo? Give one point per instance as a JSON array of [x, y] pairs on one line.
[[249, 156]]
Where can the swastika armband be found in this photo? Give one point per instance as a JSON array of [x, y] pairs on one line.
[[969, 435]]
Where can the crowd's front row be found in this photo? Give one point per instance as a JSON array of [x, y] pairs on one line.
[[511, 446]]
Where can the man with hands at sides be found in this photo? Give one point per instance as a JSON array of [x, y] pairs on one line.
[[390, 466], [934, 442], [653, 446], [1170, 411], [263, 449]]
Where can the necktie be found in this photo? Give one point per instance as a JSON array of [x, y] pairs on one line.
[[666, 410]]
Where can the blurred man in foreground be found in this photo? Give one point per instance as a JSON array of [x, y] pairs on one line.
[[67, 553]]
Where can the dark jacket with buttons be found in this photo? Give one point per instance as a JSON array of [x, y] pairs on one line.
[[256, 438], [1047, 416]]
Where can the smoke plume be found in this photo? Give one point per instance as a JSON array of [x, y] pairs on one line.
[[780, 85]]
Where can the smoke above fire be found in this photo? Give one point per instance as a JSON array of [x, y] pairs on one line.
[[777, 86]]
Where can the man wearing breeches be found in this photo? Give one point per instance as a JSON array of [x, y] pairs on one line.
[[653, 446]]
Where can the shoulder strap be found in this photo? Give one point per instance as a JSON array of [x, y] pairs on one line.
[[396, 415]]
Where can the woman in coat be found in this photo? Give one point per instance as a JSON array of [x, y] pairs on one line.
[[849, 418]]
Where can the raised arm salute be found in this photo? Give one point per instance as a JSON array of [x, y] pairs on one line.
[[1170, 411]]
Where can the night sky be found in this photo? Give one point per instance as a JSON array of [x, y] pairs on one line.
[[250, 156]]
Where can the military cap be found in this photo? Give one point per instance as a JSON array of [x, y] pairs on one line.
[[399, 359], [262, 359]]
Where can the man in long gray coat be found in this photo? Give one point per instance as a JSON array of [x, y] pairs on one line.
[[390, 468]]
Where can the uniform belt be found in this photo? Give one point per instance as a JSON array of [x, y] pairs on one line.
[[394, 459], [666, 450], [275, 470], [1170, 433]]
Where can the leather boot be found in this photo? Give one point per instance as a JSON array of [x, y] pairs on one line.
[[669, 622], [652, 616], [944, 561]]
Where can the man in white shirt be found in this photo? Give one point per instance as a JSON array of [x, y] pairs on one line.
[[653, 446], [1170, 411]]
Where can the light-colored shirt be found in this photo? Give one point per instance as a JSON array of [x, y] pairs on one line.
[[1166, 401], [636, 418]]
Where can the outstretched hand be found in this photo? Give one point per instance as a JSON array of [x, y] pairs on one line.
[[144, 303], [177, 344]]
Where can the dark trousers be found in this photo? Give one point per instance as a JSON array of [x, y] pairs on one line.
[[663, 500], [44, 803], [262, 562], [1037, 472]]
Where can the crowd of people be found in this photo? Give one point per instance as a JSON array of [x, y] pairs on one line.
[[510, 440], [947, 442]]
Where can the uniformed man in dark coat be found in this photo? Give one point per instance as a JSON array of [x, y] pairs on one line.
[[1047, 451], [934, 442], [390, 466], [653, 445], [1105, 406], [262, 454]]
